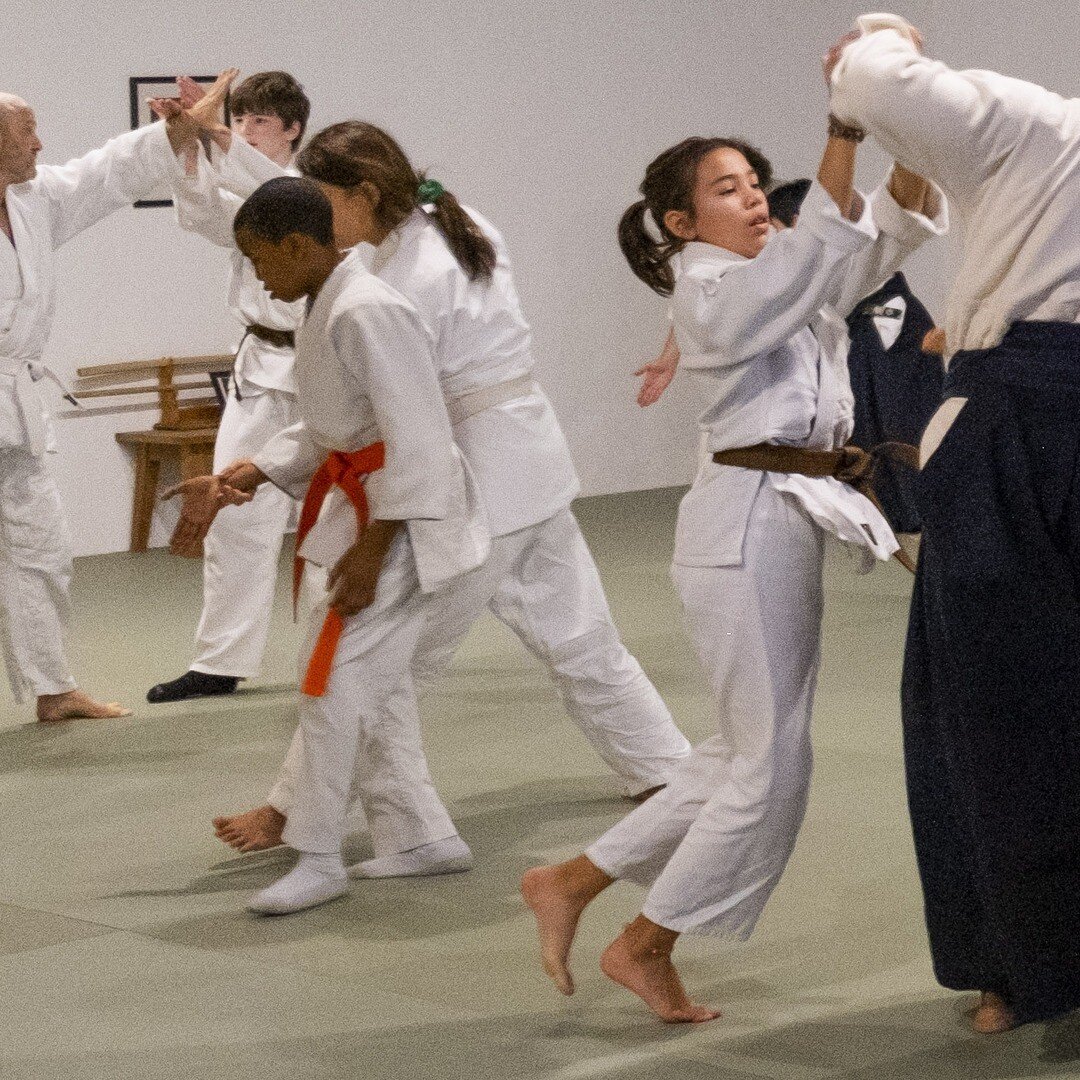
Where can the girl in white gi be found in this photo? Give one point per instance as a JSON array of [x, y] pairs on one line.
[[991, 700], [41, 209], [758, 319], [269, 111], [374, 437], [540, 579]]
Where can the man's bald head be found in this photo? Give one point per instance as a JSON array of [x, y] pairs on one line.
[[19, 144]]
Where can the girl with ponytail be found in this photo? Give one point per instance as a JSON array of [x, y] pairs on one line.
[[757, 319], [539, 578]]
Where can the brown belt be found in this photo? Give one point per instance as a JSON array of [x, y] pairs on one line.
[[850, 464], [281, 338]]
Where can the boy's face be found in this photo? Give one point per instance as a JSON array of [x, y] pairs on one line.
[[284, 268], [268, 134]]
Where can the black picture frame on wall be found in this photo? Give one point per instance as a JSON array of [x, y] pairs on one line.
[[141, 88]]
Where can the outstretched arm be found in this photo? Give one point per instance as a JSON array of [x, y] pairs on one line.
[[954, 127], [658, 373]]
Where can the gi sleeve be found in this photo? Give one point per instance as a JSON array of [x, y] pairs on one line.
[[89, 188], [738, 311], [900, 233], [386, 348], [290, 459], [203, 207], [244, 169], [955, 127]]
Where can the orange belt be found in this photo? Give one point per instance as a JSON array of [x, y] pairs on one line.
[[348, 472]]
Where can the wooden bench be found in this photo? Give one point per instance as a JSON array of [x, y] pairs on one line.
[[186, 429]]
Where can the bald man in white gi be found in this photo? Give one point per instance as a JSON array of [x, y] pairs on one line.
[[41, 209]]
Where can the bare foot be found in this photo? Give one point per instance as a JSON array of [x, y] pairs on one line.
[[254, 830], [992, 1016], [557, 895], [75, 705], [651, 975]]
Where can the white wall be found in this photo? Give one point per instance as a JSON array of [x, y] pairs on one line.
[[541, 113]]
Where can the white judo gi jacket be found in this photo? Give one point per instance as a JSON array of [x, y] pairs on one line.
[[768, 336], [502, 419], [47, 211], [1007, 154], [515, 448], [204, 207], [365, 374]]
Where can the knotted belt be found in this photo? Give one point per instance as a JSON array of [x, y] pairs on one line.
[[281, 338], [348, 472], [25, 372], [849, 464]]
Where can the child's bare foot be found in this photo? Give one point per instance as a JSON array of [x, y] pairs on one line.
[[992, 1016], [254, 830], [633, 961], [75, 705], [557, 895]]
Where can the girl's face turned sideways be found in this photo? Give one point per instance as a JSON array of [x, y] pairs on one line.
[[354, 215], [730, 209]]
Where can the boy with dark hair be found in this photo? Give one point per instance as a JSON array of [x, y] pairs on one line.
[[375, 442], [240, 568]]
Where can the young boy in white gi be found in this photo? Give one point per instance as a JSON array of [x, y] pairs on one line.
[[269, 111], [395, 527], [42, 208]]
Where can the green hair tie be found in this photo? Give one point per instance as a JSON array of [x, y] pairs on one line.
[[429, 191]]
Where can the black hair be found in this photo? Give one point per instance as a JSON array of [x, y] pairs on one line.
[[785, 200], [351, 153], [669, 185], [284, 206], [273, 93]]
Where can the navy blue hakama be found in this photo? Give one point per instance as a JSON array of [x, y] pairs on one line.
[[991, 687]]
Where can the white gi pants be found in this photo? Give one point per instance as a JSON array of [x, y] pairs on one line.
[[712, 845], [542, 583], [342, 741], [240, 553], [35, 575]]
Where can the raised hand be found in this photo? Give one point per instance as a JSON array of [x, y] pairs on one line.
[[206, 110], [182, 131], [658, 373], [190, 91], [832, 57]]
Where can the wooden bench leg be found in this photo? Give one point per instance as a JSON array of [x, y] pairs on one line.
[[147, 469]]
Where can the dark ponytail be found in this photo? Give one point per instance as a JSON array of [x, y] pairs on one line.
[[352, 153], [669, 185]]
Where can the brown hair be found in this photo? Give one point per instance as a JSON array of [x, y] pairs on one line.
[[352, 153], [669, 185], [273, 93]]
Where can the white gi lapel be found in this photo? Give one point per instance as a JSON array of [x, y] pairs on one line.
[[889, 320]]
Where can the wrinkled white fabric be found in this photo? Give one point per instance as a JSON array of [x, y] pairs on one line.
[[240, 553], [713, 844]]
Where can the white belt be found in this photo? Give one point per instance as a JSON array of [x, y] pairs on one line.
[[488, 397], [26, 372]]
